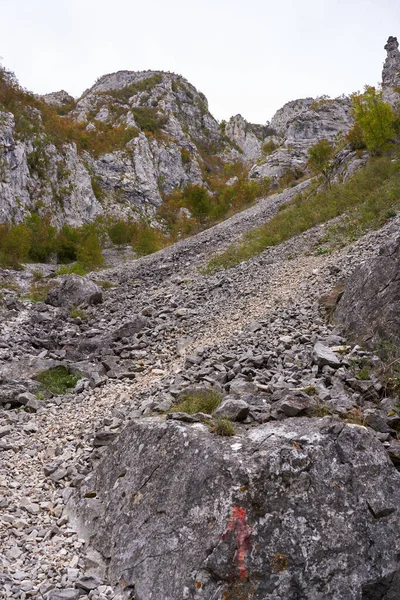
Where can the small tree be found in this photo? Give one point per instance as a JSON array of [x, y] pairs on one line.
[[375, 118], [121, 232], [89, 252], [146, 240], [319, 159], [67, 243], [43, 238], [197, 201], [16, 246]]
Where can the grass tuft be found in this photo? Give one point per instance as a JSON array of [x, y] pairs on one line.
[[205, 401], [58, 380], [78, 313], [222, 427], [106, 285], [38, 292]]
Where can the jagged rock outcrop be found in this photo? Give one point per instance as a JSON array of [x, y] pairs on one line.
[[298, 126], [306, 508], [369, 308], [158, 103], [60, 99], [249, 138], [36, 177], [391, 72]]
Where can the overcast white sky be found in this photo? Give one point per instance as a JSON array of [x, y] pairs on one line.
[[246, 56]]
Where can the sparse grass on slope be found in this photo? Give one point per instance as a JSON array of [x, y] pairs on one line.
[[58, 380], [205, 401], [369, 198]]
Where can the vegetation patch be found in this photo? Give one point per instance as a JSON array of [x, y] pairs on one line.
[[148, 119], [57, 380], [105, 284], [389, 372], [76, 268], [353, 416], [38, 291], [224, 427], [205, 401], [78, 313], [365, 199]]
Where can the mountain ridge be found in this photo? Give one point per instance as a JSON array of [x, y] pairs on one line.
[[133, 138]]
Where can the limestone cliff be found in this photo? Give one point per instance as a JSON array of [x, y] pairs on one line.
[[127, 140], [299, 125]]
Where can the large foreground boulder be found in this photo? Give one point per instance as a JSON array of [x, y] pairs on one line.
[[303, 509], [74, 291], [369, 309]]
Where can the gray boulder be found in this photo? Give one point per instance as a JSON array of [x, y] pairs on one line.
[[322, 355], [304, 508], [234, 409], [131, 327], [74, 291], [369, 308]]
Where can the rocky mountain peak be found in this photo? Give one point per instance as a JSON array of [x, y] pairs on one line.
[[248, 137], [58, 99], [391, 71], [391, 67]]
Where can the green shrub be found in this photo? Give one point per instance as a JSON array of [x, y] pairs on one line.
[[148, 119], [89, 252], [15, 246], [77, 269], [67, 244], [205, 401], [58, 380], [197, 201], [269, 147], [121, 232], [186, 156], [319, 159], [147, 240], [43, 236], [355, 138], [375, 118]]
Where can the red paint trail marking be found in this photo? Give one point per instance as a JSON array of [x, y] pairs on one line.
[[238, 525]]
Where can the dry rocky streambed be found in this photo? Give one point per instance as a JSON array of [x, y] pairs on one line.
[[301, 503]]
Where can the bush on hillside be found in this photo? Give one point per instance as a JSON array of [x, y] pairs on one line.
[[319, 159], [374, 118], [15, 245]]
